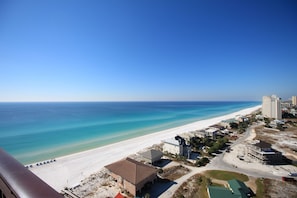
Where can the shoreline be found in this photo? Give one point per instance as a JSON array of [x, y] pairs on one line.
[[69, 170]]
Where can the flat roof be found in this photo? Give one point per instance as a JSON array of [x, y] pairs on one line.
[[172, 141]]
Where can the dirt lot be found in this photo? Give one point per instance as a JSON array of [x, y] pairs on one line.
[[284, 141], [276, 189], [174, 172], [193, 187], [196, 187]]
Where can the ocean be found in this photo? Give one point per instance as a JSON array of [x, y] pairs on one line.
[[39, 131]]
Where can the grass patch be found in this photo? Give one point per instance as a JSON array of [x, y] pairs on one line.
[[216, 184], [226, 175], [260, 188]]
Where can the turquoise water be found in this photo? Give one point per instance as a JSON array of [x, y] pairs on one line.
[[37, 131]]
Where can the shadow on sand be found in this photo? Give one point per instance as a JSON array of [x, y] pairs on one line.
[[156, 189], [161, 163]]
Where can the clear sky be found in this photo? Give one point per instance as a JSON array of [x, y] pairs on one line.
[[104, 50]]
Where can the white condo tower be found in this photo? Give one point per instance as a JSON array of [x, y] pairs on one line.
[[271, 107]]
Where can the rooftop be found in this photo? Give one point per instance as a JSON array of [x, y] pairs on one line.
[[131, 170], [172, 141], [220, 192], [152, 154], [262, 144], [237, 190]]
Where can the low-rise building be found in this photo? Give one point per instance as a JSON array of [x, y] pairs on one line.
[[293, 112], [177, 146], [173, 146], [200, 133], [262, 152], [236, 189], [132, 175], [152, 156], [241, 118], [188, 136], [226, 123], [211, 132], [275, 123]]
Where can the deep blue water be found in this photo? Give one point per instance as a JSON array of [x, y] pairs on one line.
[[38, 131]]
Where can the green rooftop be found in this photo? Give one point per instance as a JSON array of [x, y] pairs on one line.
[[221, 192], [237, 189]]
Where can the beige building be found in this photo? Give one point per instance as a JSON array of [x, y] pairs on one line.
[[152, 156], [294, 100], [271, 107], [132, 175]]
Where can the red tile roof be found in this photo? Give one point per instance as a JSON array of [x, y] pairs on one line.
[[119, 195]]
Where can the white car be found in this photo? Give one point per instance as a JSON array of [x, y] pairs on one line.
[[293, 174]]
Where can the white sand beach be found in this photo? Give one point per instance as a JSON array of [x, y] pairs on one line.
[[69, 170]]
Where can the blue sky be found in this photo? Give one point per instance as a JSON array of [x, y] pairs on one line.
[[147, 50]]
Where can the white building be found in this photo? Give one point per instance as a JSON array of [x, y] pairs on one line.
[[173, 146], [271, 107], [294, 100], [211, 132]]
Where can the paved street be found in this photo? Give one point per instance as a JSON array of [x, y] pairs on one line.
[[218, 163]]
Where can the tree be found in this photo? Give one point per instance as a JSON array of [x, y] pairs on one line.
[[202, 162], [208, 182], [207, 141], [242, 126], [267, 121], [234, 125], [280, 127], [196, 142]]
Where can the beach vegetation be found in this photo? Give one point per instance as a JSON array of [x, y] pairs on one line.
[[242, 126], [202, 162], [280, 127], [252, 119], [267, 122], [220, 143], [196, 143], [288, 115], [233, 125], [196, 186], [174, 172], [260, 188]]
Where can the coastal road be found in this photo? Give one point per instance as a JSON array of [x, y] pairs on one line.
[[218, 163]]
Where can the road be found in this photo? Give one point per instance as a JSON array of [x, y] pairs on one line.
[[217, 163]]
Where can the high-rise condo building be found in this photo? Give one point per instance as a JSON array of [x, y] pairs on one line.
[[294, 100], [271, 107]]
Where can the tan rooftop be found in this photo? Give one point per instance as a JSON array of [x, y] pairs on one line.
[[133, 171]]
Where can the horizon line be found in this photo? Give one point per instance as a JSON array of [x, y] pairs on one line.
[[78, 101]]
